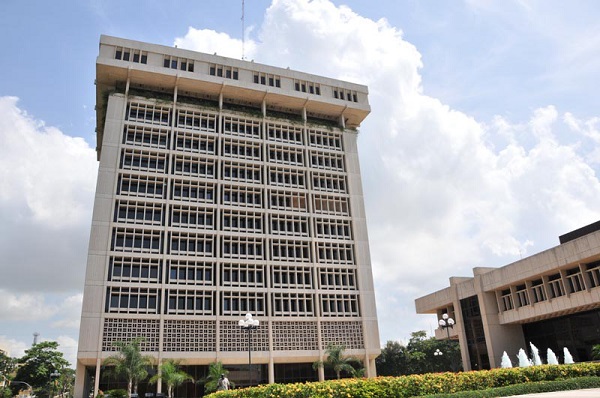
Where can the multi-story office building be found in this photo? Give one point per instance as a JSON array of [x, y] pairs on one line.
[[225, 187], [550, 299]]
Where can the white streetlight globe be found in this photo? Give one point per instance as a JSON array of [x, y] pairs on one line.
[[445, 315], [442, 322]]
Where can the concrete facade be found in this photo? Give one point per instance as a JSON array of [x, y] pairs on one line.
[[523, 302], [225, 187]]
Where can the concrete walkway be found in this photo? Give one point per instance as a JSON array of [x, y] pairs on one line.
[[588, 393]]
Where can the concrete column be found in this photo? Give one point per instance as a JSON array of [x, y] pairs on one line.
[[271, 371]]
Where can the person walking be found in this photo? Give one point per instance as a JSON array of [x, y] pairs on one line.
[[223, 383]]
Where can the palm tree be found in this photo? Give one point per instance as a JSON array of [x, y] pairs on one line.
[[170, 374], [215, 370], [336, 361], [129, 363]]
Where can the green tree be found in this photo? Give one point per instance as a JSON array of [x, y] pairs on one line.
[[38, 363], [393, 360], [170, 374], [596, 352], [336, 360], [421, 358], [215, 370], [129, 363]]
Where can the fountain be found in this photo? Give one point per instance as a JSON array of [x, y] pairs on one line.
[[506, 361], [568, 357], [552, 360], [536, 355], [523, 360]]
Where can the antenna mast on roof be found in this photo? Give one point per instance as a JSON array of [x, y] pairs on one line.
[[243, 29]]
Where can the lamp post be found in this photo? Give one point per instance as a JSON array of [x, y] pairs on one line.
[[22, 382], [447, 323], [249, 325], [437, 352], [53, 375]]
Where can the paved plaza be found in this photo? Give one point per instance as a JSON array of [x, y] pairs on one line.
[[587, 393]]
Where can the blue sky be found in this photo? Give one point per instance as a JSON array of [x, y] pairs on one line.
[[482, 145]]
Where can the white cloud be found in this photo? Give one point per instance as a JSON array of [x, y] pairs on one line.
[[209, 41], [444, 192], [16, 349], [25, 306], [46, 213]]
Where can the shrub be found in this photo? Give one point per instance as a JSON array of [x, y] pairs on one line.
[[117, 393], [425, 384]]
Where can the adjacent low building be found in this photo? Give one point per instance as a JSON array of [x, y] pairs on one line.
[[550, 299]]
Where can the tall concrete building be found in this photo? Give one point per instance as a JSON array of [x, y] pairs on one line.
[[225, 187], [550, 299]]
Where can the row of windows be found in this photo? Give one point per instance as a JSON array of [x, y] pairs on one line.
[[183, 64], [148, 213], [267, 79], [201, 273], [148, 186], [196, 302], [225, 71], [307, 87], [228, 72], [155, 162], [132, 240], [562, 283], [148, 113], [131, 55]]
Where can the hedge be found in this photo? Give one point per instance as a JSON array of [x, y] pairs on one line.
[[416, 385]]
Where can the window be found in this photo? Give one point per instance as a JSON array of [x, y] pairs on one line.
[[145, 136], [575, 280], [192, 217], [243, 172], [290, 250], [345, 94], [192, 191], [242, 221], [555, 286], [242, 247], [538, 291], [507, 302], [522, 296], [132, 300], [242, 196], [225, 71], [289, 225], [183, 64], [286, 177], [288, 200], [132, 212], [241, 127], [190, 302], [292, 304], [326, 204], [328, 182], [307, 87], [197, 120], [242, 274], [593, 273], [131, 269], [141, 186], [327, 161], [267, 80], [290, 155], [190, 272], [195, 143], [149, 113], [131, 55], [141, 160], [135, 240], [241, 149], [191, 244], [188, 165], [325, 139], [333, 228], [291, 277], [240, 303], [337, 278], [339, 305], [335, 253], [284, 133]]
